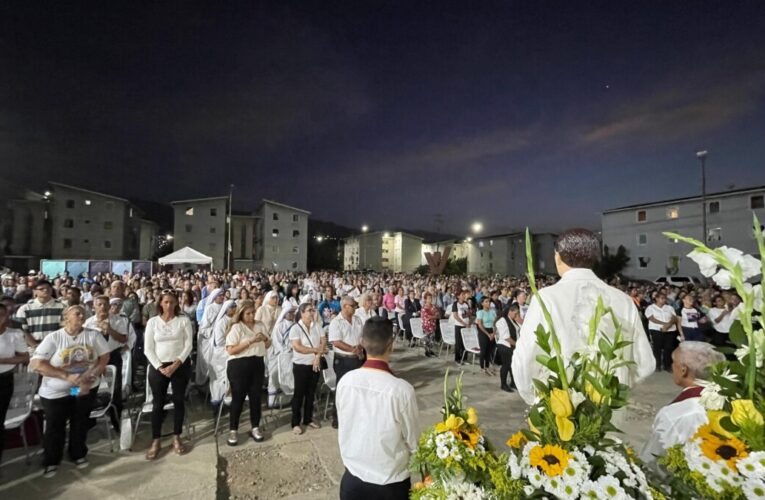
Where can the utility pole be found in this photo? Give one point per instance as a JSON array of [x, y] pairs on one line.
[[228, 246], [702, 156]]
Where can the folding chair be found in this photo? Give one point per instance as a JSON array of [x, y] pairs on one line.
[[417, 332], [127, 374], [447, 336], [146, 408], [20, 409], [102, 412], [470, 341], [330, 379], [401, 328]]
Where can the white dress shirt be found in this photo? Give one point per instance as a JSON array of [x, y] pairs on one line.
[[502, 330], [674, 424], [572, 303], [663, 313], [364, 315], [379, 425], [164, 342], [302, 333], [340, 329], [119, 323], [11, 342]]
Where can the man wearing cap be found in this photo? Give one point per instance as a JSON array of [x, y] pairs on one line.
[[345, 337], [117, 331], [40, 316]]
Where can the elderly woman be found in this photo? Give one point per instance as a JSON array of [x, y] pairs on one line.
[[309, 345], [367, 307], [679, 420], [169, 340], [246, 343], [71, 360], [280, 342], [218, 354]]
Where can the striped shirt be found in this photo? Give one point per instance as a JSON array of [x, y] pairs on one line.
[[39, 319]]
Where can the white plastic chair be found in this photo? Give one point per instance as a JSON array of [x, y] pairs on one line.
[[330, 379], [102, 413], [20, 409], [127, 373], [401, 329], [147, 408], [470, 342], [417, 332], [447, 336]]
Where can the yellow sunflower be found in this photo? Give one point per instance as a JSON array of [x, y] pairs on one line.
[[715, 448], [550, 459], [517, 440]]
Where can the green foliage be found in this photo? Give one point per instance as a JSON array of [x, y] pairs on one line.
[[686, 483], [610, 265]]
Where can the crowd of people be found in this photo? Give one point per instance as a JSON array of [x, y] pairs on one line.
[[231, 332]]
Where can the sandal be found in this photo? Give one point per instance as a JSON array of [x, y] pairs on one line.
[[314, 425], [179, 447], [153, 451]]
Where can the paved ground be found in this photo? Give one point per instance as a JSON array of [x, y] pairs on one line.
[[262, 470]]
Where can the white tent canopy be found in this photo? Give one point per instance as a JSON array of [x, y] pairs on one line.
[[185, 255]]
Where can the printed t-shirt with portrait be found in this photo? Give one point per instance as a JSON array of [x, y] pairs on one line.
[[73, 354]]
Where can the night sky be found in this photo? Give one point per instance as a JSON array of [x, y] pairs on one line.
[[388, 113]]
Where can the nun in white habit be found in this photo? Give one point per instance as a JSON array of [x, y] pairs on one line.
[[205, 333], [218, 353], [280, 342]]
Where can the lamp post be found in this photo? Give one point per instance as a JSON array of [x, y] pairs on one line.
[[362, 243], [702, 156]]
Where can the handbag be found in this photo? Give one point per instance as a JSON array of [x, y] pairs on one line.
[[322, 361]]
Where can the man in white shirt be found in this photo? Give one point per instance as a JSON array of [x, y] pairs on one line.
[[571, 303], [662, 327], [679, 420], [383, 409], [345, 337]]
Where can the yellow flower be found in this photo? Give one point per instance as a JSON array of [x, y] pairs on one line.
[[533, 428], [714, 417], [472, 416], [593, 394], [453, 424], [744, 412], [517, 440], [470, 438], [419, 485], [560, 403], [729, 451], [565, 428], [550, 459]]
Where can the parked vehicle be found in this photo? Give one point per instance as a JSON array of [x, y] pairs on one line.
[[678, 280]]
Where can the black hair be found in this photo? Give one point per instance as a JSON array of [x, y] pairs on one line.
[[377, 335], [578, 248]]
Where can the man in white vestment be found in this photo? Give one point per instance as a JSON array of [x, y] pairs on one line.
[[571, 303]]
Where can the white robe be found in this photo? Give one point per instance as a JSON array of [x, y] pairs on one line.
[[219, 358], [280, 343], [572, 303], [204, 337]]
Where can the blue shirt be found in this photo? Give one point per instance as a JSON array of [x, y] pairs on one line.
[[487, 317]]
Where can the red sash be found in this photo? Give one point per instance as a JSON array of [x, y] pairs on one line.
[[377, 364], [691, 392]]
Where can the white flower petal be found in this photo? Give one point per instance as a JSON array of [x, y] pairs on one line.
[[707, 263]]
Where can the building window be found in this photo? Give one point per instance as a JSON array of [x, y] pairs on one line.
[[642, 216], [188, 228], [213, 212], [68, 223], [130, 212], [294, 265], [480, 244], [108, 225], [714, 234], [88, 203], [714, 207], [69, 203], [757, 202], [275, 249], [295, 233], [212, 230], [642, 238], [673, 264], [295, 249], [491, 243], [107, 244], [189, 211], [67, 243], [87, 242], [295, 218], [110, 204], [491, 256], [275, 233], [213, 246], [673, 213], [643, 262], [275, 216]]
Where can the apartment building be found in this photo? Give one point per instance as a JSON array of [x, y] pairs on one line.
[[201, 224], [281, 237], [639, 229], [505, 254], [382, 251]]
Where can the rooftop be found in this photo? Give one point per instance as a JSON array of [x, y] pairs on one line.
[[732, 192], [75, 188], [212, 198], [283, 205]]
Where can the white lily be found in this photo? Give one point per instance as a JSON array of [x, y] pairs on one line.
[[576, 398], [707, 263]]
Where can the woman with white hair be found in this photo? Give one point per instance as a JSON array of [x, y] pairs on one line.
[[204, 334], [679, 420], [280, 343]]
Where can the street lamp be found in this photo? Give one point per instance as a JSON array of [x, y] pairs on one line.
[[319, 239], [477, 227], [469, 239], [362, 244], [169, 237], [702, 156]]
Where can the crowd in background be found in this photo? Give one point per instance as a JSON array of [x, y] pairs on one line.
[[224, 332]]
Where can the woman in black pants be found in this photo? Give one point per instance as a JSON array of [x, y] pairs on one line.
[[246, 344], [309, 345], [506, 329], [485, 319], [167, 346], [13, 351]]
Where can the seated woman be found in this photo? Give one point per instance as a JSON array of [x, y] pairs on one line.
[[678, 421]]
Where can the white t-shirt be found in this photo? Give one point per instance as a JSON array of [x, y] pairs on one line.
[[690, 317], [300, 332], [462, 310], [663, 313], [119, 323], [724, 325], [11, 342], [73, 354]]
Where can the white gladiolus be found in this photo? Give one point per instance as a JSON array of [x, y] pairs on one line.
[[724, 279], [707, 263], [576, 398], [750, 266]]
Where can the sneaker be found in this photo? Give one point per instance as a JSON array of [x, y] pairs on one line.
[[297, 430], [506, 388], [81, 463], [50, 471], [233, 438], [256, 435]]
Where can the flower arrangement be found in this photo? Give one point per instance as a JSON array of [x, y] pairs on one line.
[[726, 456], [568, 451], [453, 456]]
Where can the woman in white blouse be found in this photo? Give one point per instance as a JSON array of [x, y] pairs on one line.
[[309, 345], [168, 341], [13, 351], [246, 342]]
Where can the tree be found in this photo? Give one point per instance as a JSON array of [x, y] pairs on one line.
[[611, 265]]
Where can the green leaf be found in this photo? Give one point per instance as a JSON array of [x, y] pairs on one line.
[[727, 424], [737, 334]]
